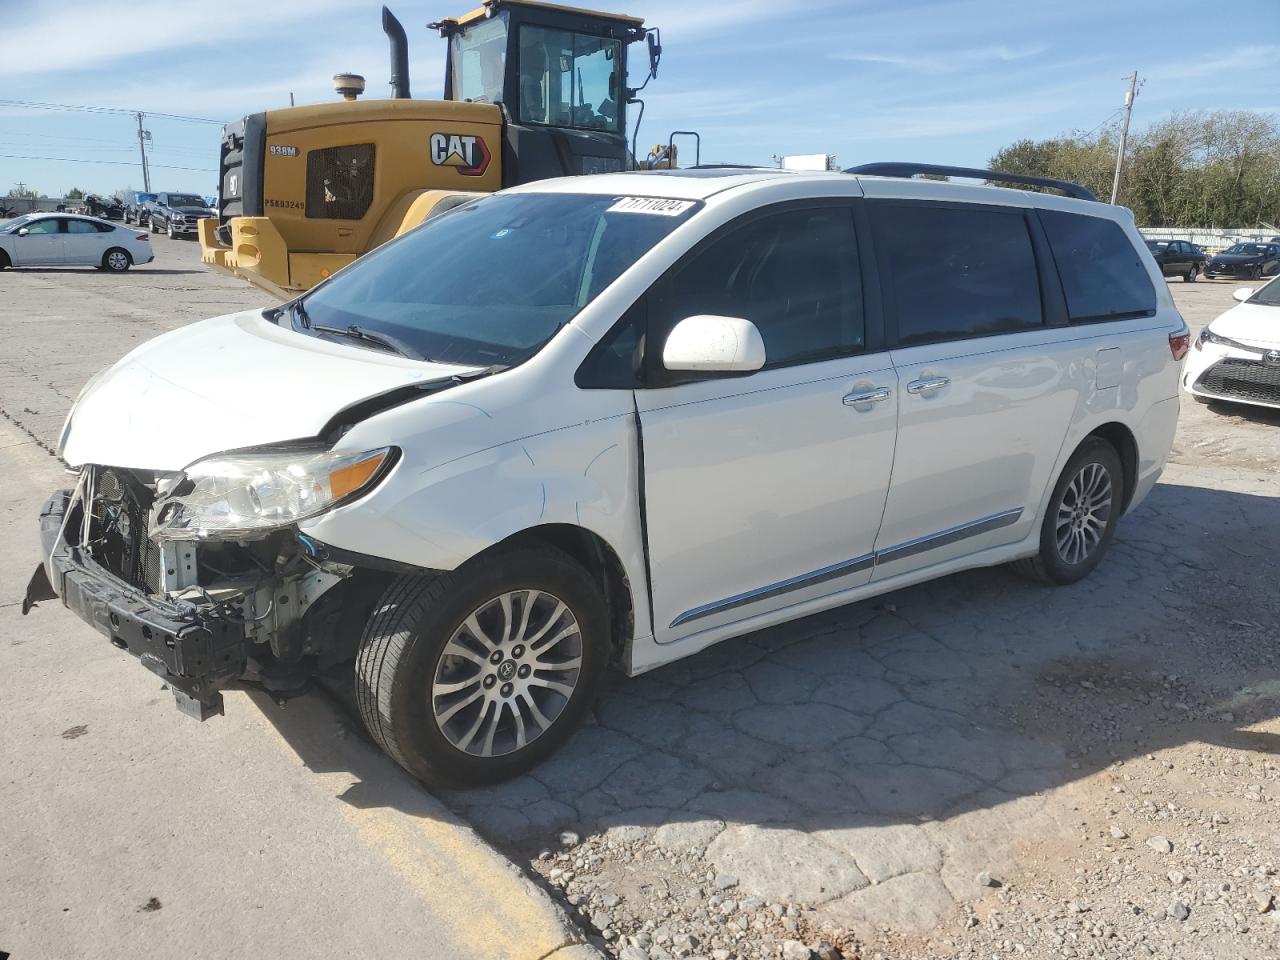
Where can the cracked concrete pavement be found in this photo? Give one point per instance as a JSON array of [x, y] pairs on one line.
[[865, 769]]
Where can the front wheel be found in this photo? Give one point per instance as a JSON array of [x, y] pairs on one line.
[[1081, 518], [1255, 273], [169, 231], [476, 675]]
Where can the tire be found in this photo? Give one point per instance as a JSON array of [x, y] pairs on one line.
[[1095, 463], [1255, 273], [443, 736], [116, 260], [4, 261], [1192, 275], [151, 225], [169, 230]]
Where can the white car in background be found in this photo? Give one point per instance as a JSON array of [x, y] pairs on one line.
[[68, 240], [1237, 356]]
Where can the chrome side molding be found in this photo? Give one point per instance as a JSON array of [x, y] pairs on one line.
[[899, 552]]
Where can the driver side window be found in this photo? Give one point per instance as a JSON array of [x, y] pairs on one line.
[[43, 227]]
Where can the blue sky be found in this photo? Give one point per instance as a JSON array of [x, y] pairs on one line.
[[922, 80]]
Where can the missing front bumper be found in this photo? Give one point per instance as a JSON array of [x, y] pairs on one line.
[[196, 655]]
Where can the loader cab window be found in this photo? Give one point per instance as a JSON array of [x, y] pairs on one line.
[[569, 79], [479, 61]]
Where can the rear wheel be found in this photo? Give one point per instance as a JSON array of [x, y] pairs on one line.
[[116, 260], [476, 675], [1081, 518], [1255, 273], [1193, 274], [4, 261]]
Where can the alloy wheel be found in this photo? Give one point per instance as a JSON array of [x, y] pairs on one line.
[[507, 673], [1083, 513], [117, 260]]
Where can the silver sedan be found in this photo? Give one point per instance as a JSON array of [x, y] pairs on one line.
[[60, 239]]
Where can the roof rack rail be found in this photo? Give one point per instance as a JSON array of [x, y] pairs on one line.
[[893, 169]]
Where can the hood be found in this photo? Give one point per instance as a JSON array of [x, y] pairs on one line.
[[223, 384], [192, 211], [1252, 323], [1236, 257]]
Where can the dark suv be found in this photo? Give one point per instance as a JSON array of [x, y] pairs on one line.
[[176, 214], [1177, 258], [135, 208]]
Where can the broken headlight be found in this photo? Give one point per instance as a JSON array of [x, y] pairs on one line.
[[247, 495]]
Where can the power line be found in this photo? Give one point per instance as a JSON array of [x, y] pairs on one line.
[[114, 163], [82, 108]]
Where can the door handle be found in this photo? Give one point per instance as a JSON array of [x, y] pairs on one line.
[[927, 384], [878, 395]]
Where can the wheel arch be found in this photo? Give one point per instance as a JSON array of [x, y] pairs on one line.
[[1125, 444], [595, 555]]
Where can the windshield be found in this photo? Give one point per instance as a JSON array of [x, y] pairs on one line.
[[185, 200], [12, 225], [143, 197], [1268, 296], [490, 282], [1155, 246], [1250, 249]]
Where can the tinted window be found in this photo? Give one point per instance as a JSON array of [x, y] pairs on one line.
[[793, 274], [957, 272], [81, 226], [1103, 276], [43, 226]]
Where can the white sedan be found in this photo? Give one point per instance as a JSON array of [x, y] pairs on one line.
[[1237, 357], [62, 239]]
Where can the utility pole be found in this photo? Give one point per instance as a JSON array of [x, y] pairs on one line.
[[142, 150], [1124, 133]]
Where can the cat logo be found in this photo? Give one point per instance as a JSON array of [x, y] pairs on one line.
[[466, 154]]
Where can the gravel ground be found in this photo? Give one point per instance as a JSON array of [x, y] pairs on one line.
[[973, 767]]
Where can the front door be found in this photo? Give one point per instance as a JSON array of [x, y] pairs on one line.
[[766, 490], [985, 395], [42, 244]]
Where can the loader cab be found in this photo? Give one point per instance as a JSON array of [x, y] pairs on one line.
[[559, 76]]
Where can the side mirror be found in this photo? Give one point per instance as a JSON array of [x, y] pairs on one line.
[[708, 344], [655, 52], [23, 231], [1240, 293]]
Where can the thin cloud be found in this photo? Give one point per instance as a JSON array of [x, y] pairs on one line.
[[947, 61]]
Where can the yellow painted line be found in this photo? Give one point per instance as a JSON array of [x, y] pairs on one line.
[[485, 904]]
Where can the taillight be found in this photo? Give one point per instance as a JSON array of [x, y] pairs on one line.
[[1179, 344], [143, 236]]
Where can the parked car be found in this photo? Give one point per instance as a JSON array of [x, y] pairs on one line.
[[1237, 356], [176, 213], [105, 208], [135, 210], [63, 239], [615, 418], [1251, 261], [1178, 258]]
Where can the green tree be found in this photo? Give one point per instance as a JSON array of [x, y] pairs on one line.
[[75, 193]]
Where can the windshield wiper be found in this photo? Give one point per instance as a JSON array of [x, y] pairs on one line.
[[355, 332]]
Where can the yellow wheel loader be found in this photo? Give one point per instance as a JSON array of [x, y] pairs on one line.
[[532, 90]]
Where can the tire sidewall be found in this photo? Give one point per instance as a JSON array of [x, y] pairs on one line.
[[1093, 450], [423, 747]]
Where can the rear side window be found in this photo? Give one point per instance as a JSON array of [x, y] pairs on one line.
[[1103, 276], [340, 182], [957, 271], [794, 274]]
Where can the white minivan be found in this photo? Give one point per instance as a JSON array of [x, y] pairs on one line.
[[613, 419]]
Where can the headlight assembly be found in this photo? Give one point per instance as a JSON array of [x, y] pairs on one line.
[[1208, 336], [247, 495]]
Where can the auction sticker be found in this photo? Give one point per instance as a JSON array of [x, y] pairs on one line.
[[655, 205]]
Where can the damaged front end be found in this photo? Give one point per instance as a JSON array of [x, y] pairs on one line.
[[202, 608]]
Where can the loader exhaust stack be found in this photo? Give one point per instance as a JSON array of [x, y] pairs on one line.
[[399, 55]]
